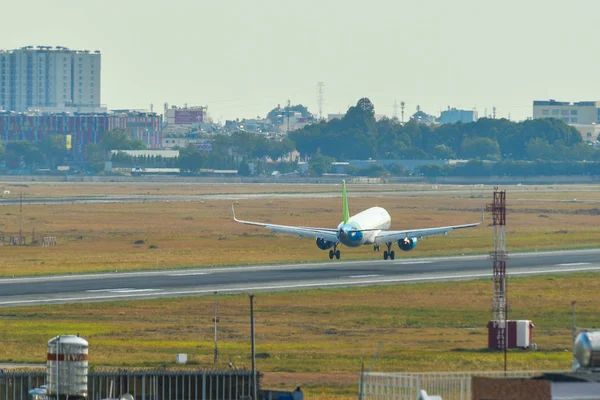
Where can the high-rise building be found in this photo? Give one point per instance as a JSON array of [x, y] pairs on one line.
[[55, 79]]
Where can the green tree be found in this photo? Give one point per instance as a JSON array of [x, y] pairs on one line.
[[538, 148], [244, 168], [442, 152], [190, 160], [480, 147], [54, 148], [23, 152], [118, 139], [319, 164], [94, 153]]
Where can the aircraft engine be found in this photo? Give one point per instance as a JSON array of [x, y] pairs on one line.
[[407, 244], [324, 244]]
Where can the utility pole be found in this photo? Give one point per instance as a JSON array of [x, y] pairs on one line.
[[215, 320], [288, 116], [255, 389], [573, 328], [21, 219]]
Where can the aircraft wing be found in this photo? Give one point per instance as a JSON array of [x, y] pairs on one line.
[[328, 234], [394, 236]]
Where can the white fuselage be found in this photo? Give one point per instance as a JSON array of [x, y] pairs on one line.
[[373, 220]]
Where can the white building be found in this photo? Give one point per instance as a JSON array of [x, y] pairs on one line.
[[50, 79], [582, 112]]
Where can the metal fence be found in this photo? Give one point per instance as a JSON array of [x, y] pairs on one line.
[[448, 385], [143, 385]]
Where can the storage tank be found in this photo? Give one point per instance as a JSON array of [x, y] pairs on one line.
[[587, 350], [67, 365]]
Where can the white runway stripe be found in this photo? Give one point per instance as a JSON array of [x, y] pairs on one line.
[[573, 264]]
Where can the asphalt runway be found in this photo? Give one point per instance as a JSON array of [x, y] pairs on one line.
[[193, 282]]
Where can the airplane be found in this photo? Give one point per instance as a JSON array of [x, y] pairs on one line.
[[369, 227]]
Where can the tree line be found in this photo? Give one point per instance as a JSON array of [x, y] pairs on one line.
[[359, 136]]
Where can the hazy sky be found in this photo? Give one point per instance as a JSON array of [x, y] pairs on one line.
[[242, 58]]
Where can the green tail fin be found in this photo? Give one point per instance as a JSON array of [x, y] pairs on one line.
[[345, 201]]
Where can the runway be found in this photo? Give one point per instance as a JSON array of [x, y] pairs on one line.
[[193, 282]]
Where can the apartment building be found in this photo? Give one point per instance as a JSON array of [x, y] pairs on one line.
[[53, 79]]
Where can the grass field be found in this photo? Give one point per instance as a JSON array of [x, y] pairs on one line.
[[317, 339], [102, 237]]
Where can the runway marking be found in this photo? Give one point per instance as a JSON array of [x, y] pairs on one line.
[[573, 264], [412, 262], [189, 274], [123, 290], [363, 276], [296, 286]]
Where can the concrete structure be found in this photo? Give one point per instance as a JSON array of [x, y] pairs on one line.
[[50, 79], [452, 116], [582, 112]]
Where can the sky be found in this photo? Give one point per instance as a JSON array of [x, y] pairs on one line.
[[241, 58]]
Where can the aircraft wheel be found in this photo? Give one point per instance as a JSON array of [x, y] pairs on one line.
[[385, 255], [392, 255], [337, 255], [331, 254]]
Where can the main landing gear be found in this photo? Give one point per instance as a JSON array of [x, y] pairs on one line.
[[334, 253], [389, 252], [376, 247]]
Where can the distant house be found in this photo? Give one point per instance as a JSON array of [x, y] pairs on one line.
[[452, 116], [422, 117]]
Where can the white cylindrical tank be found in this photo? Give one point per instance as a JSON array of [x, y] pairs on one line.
[[67, 365]]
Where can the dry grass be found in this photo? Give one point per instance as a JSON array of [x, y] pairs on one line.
[[318, 339], [92, 189], [102, 237]]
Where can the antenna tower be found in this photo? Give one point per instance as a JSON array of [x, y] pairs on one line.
[[320, 98], [498, 257], [402, 104], [494, 112]]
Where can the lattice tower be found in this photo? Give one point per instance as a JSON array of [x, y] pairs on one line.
[[499, 255]]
